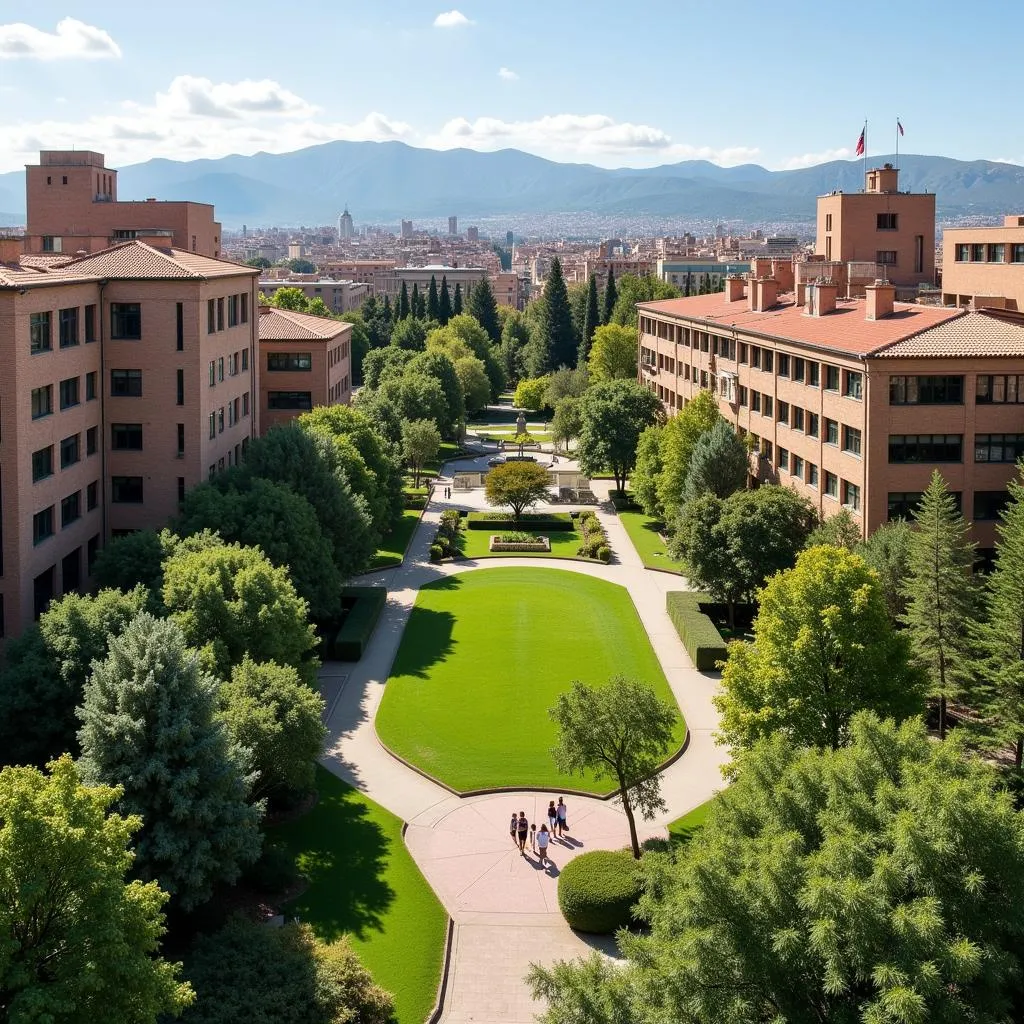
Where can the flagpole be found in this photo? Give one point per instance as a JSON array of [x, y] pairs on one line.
[[865, 152], [897, 142]]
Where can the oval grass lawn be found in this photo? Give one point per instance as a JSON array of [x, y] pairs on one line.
[[483, 657]]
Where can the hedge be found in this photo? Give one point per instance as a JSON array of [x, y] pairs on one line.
[[701, 639], [367, 604], [597, 891], [532, 521]]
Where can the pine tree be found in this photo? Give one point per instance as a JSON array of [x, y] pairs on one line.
[[558, 329], [940, 593], [403, 302], [148, 725], [689, 284], [481, 305], [432, 303], [444, 303], [457, 300], [611, 296], [414, 302], [386, 313], [591, 321]]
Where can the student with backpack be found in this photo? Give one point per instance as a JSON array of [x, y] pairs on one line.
[[543, 838], [563, 813], [523, 830], [552, 816]]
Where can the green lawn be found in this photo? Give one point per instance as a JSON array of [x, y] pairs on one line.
[[683, 829], [473, 543], [483, 657], [393, 546], [644, 533], [363, 882]]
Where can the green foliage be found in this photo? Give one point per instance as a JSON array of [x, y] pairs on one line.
[[464, 336], [530, 394], [289, 298], [421, 442], [271, 713], [438, 366], [356, 631], [47, 668], [840, 531], [610, 298], [515, 336], [598, 890], [681, 434], [360, 343], [483, 308], [457, 300], [595, 541], [125, 562], [436, 552], [444, 303], [620, 731], [887, 551], [519, 485], [873, 883], [230, 601], [718, 465], [567, 422], [540, 521], [614, 413], [476, 388], [433, 304], [80, 942], [565, 383], [940, 594], [699, 635], [383, 364], [299, 266], [647, 471], [823, 649], [249, 972], [633, 289], [409, 335], [559, 336], [591, 321], [148, 726], [258, 262], [613, 353], [404, 308]]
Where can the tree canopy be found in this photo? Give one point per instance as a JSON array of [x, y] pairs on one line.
[[719, 463], [519, 485], [631, 290], [484, 309], [558, 332], [681, 434], [613, 353]]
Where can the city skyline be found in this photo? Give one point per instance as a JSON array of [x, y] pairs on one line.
[[92, 77]]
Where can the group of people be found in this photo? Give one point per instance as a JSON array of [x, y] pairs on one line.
[[520, 830]]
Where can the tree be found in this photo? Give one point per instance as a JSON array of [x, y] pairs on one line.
[[611, 296], [258, 262], [732, 546], [567, 422], [385, 311], [591, 322], [464, 336], [444, 302], [530, 393], [940, 593], [271, 713], [125, 562], [633, 289], [290, 298], [577, 292], [515, 336], [483, 308], [681, 434], [519, 485], [613, 354], [404, 309], [613, 414], [476, 388], [148, 726], [559, 336], [437, 365], [382, 364], [360, 343], [887, 551], [299, 266], [414, 397], [644, 479], [565, 383], [433, 305], [871, 883], [823, 649], [409, 334], [81, 943], [414, 302], [317, 307], [621, 731], [840, 530], [421, 442], [719, 464], [457, 300]]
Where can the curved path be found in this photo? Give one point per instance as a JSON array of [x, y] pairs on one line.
[[504, 905]]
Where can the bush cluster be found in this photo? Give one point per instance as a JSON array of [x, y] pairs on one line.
[[595, 540], [446, 541], [598, 890], [541, 521], [352, 639], [700, 637], [516, 537]]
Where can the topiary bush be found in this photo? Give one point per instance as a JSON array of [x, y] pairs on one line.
[[597, 891], [436, 552]]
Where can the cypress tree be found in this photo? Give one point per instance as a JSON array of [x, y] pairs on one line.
[[432, 303], [386, 312], [414, 302], [403, 302], [558, 329], [689, 284], [457, 300], [484, 309], [940, 593], [591, 321], [444, 303], [611, 296]]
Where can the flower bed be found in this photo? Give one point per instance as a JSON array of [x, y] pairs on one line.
[[499, 543]]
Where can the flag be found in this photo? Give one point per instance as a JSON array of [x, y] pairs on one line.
[[899, 126], [860, 144]]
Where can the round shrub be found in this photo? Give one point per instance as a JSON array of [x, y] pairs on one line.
[[597, 891], [604, 553], [436, 552]]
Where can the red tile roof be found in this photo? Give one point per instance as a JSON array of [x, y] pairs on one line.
[[973, 335], [845, 330], [139, 261], [286, 325]]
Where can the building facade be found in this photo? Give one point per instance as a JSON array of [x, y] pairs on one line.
[[338, 296], [984, 266], [389, 282], [359, 271]]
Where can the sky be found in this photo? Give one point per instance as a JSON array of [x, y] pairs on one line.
[[591, 81]]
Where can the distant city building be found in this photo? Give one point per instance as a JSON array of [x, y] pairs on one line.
[[472, 234], [453, 225], [296, 251], [506, 289], [360, 271], [509, 239], [390, 282], [346, 229], [688, 273], [407, 229], [984, 266], [338, 296], [600, 267]]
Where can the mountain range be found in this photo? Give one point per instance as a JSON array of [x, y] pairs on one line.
[[384, 181]]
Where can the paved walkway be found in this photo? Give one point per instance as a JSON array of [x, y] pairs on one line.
[[504, 905]]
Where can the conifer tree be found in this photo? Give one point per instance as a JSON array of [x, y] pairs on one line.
[[403, 302], [591, 320], [432, 302], [457, 300], [484, 309], [689, 284], [940, 593], [386, 314], [611, 296], [558, 329], [444, 303], [414, 301]]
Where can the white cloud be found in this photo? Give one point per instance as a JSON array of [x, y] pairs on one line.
[[451, 19], [508, 75], [72, 39], [811, 159], [203, 98]]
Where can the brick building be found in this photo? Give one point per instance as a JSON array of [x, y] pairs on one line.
[[984, 266], [338, 296]]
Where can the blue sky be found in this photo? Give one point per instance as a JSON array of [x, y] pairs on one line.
[[611, 83]]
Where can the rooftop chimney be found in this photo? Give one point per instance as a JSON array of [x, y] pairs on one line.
[[879, 299], [764, 293], [733, 288], [821, 298], [11, 249]]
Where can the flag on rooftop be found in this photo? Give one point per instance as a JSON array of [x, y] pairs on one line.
[[860, 143]]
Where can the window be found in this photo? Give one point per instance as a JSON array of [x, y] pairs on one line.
[[812, 474], [831, 378], [998, 447], [743, 396], [220, 368], [180, 326], [831, 432], [213, 425], [231, 414], [766, 450], [783, 365], [999, 388], [90, 385], [814, 374], [70, 451], [212, 472], [126, 320], [886, 221], [977, 253], [244, 312], [42, 525], [766, 404], [926, 390], [962, 253], [798, 418], [232, 311], [245, 359], [828, 221], [245, 404], [42, 464], [67, 326], [851, 496], [1017, 252], [69, 392], [39, 333], [990, 504], [42, 401], [903, 504], [181, 440], [743, 352], [997, 253], [126, 437], [783, 460], [798, 368], [220, 314], [289, 400], [220, 420], [92, 549], [831, 484], [70, 508], [213, 372], [854, 384], [126, 490], [92, 440], [211, 316], [887, 257], [812, 424], [90, 324], [126, 383], [783, 412], [92, 495], [755, 357], [755, 401], [766, 361], [851, 440], [798, 467], [925, 448], [181, 387], [289, 361], [181, 490]]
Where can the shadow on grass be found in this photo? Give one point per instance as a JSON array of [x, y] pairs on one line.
[[684, 829], [427, 638]]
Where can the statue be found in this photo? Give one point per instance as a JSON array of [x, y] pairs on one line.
[[520, 423]]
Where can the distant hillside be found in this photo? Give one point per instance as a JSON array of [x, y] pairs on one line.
[[384, 181]]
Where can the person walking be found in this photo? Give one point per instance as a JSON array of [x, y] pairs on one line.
[[563, 814], [552, 816], [513, 828], [522, 830], [533, 837], [543, 838]]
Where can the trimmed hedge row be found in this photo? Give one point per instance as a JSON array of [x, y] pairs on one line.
[[701, 639], [367, 604], [534, 521], [597, 891]]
